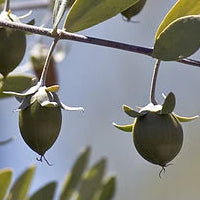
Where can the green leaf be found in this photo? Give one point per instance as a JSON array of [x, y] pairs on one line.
[[91, 181], [5, 180], [132, 113], [87, 13], [108, 189], [169, 104], [58, 11], [180, 9], [17, 83], [46, 192], [185, 119], [21, 186], [126, 128], [133, 10], [179, 40], [75, 174]]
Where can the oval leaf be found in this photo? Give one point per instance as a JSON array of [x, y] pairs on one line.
[[179, 40], [87, 13], [180, 9], [133, 10], [5, 180], [108, 189], [126, 128], [46, 192], [21, 186], [75, 174], [16, 83], [169, 104], [91, 181], [132, 113]]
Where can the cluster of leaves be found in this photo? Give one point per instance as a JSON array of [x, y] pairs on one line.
[[80, 184]]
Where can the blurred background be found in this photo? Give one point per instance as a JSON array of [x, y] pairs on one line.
[[102, 80]]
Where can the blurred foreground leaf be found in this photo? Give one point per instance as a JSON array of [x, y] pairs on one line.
[[46, 192], [5, 180], [91, 181], [81, 184], [108, 189], [21, 186], [75, 175]]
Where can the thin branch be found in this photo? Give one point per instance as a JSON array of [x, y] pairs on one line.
[[47, 61], [61, 34], [6, 6], [153, 82]]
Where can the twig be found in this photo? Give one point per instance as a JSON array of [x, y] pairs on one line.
[[61, 34], [153, 82], [6, 6], [47, 61]]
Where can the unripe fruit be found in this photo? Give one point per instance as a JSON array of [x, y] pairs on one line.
[[158, 138], [40, 126], [12, 46]]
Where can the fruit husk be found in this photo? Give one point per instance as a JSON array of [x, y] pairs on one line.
[[40, 126], [158, 138]]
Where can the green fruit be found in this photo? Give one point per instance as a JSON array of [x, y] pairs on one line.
[[12, 47], [40, 126], [158, 138]]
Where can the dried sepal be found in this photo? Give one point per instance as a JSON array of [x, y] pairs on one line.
[[185, 119], [132, 113], [125, 128], [169, 104]]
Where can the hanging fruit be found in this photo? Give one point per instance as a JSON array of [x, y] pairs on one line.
[[157, 132], [40, 117]]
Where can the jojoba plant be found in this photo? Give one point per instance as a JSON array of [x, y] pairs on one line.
[[157, 132]]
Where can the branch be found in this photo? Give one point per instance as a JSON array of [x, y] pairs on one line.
[[61, 34]]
